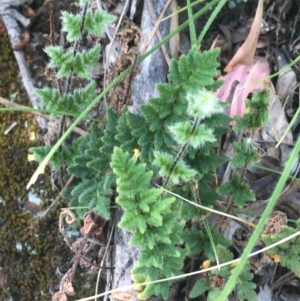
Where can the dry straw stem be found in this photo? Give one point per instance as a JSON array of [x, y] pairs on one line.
[[104, 256], [210, 209], [174, 41], [290, 124], [158, 33], [155, 26]]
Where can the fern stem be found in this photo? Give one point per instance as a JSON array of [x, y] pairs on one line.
[[69, 79], [180, 153]]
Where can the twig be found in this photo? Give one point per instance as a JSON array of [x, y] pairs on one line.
[[286, 278], [55, 202], [155, 26], [156, 23], [102, 262]]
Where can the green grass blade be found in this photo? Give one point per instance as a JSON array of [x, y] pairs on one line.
[[210, 20], [191, 24], [58, 113], [211, 239]]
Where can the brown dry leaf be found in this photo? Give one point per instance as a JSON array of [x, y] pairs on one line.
[[67, 287], [52, 135], [28, 11], [59, 296], [129, 38], [3, 29], [88, 223], [22, 42], [92, 224], [122, 296], [69, 215], [245, 54], [274, 224], [264, 187]]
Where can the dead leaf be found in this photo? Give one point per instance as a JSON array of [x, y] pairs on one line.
[[276, 127], [287, 80], [92, 224], [88, 223], [21, 43], [3, 29], [122, 296], [68, 215], [67, 287], [250, 79], [264, 187], [274, 224], [59, 296], [245, 54], [52, 135]]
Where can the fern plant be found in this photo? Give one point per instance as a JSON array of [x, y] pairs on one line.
[[289, 251], [246, 151], [92, 187], [177, 142], [176, 135], [171, 139], [66, 64]]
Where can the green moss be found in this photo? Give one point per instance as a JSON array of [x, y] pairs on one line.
[[28, 272], [27, 247], [8, 66], [30, 250], [26, 254]]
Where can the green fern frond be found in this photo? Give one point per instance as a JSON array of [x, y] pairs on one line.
[[151, 230], [239, 190], [289, 251], [199, 288]]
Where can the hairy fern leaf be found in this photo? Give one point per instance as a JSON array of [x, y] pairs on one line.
[[159, 249]]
